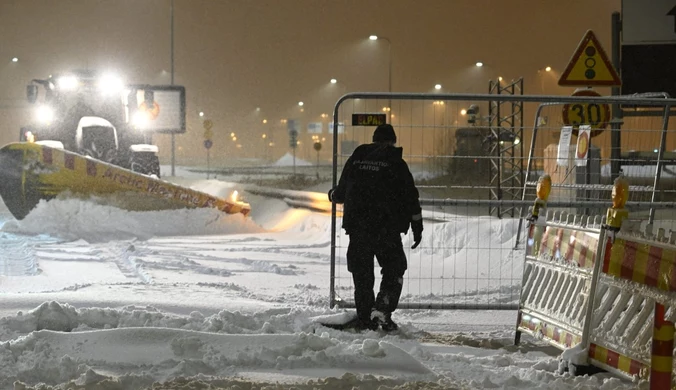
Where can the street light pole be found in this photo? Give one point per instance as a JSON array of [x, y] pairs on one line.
[[173, 136], [389, 70]]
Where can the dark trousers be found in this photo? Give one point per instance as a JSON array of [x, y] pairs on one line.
[[388, 250]]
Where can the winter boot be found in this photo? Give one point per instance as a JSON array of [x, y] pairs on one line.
[[384, 320], [366, 325]]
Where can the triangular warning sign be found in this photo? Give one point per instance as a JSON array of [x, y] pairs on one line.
[[590, 65]]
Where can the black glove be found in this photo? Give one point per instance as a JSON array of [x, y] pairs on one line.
[[417, 228], [331, 194]]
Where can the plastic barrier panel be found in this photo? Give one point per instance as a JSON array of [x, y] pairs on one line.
[[557, 279], [626, 334]]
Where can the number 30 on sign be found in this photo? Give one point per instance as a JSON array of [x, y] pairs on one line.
[[596, 115]]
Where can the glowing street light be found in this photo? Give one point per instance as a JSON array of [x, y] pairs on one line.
[[201, 114], [389, 66], [15, 59], [301, 104], [437, 86], [542, 74], [479, 64], [333, 81]]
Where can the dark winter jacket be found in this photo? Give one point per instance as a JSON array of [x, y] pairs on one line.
[[377, 191]]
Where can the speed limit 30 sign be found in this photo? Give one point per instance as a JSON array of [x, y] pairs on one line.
[[595, 115]]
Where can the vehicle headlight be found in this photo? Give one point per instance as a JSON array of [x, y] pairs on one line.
[[67, 83], [140, 119], [45, 114], [109, 84], [30, 137]]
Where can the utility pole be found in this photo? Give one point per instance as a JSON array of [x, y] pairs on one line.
[[173, 136], [616, 110]]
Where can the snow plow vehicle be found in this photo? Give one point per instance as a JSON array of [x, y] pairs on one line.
[[97, 115], [91, 139]]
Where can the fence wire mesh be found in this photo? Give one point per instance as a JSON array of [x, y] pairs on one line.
[[465, 161]]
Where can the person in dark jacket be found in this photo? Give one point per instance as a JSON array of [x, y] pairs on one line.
[[380, 201]]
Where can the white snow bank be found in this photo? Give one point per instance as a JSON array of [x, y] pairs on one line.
[[287, 161], [72, 344], [73, 219]]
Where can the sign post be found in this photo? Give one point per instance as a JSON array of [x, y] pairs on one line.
[[318, 146], [208, 143], [589, 66], [293, 126]]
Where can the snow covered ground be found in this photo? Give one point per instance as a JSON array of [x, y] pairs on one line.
[[92, 297]]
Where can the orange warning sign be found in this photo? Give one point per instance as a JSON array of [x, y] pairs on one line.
[[583, 144], [590, 65], [152, 112]]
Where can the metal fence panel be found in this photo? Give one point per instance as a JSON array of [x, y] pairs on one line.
[[470, 257]]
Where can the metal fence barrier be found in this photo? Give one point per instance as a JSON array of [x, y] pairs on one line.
[[476, 174]]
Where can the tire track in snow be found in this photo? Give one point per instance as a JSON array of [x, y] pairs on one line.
[[123, 254], [127, 260], [17, 256]]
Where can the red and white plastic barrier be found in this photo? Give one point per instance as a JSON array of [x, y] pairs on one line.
[[613, 295]]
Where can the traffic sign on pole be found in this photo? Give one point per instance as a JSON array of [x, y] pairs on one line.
[[582, 149], [293, 138], [590, 66], [208, 133], [208, 144], [593, 114]]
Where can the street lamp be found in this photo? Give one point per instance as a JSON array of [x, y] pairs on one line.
[[389, 66], [15, 59], [542, 72], [333, 81]]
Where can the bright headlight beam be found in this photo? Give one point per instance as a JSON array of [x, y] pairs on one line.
[[109, 83], [45, 114], [140, 120], [67, 83]]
